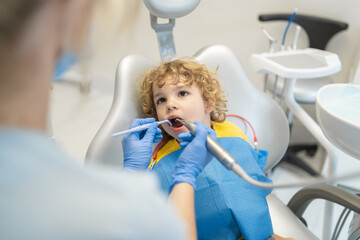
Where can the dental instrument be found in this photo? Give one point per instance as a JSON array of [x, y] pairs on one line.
[[272, 41], [296, 37], [139, 128]]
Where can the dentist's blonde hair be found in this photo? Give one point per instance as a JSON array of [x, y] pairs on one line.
[[187, 71]]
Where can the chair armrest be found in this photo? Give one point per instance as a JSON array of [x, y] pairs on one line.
[[303, 198]]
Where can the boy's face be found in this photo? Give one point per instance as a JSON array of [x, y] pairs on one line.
[[180, 101]]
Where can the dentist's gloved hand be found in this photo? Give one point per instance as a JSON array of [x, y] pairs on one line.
[[195, 156], [137, 147]]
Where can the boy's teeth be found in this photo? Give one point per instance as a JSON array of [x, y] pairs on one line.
[[175, 124]]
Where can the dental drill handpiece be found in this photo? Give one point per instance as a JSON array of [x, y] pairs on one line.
[[214, 147]]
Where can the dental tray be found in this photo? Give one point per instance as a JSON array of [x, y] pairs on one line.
[[304, 63]]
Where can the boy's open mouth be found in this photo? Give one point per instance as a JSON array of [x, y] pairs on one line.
[[176, 124]]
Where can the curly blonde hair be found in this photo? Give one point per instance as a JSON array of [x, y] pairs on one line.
[[187, 71]]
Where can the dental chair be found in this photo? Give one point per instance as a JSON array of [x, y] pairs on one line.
[[267, 118]]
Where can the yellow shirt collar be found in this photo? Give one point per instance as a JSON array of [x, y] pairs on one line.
[[224, 129]]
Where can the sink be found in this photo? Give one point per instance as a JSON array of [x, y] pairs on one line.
[[338, 113]]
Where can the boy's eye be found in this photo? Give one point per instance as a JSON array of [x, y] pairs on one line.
[[160, 100], [183, 93]]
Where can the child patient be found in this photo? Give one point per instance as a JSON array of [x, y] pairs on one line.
[[226, 206]]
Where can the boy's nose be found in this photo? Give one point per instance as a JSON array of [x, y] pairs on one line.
[[171, 107]]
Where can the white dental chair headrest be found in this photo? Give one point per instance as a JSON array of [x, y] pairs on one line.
[[171, 8]]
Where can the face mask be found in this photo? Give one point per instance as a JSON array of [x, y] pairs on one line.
[[63, 64]]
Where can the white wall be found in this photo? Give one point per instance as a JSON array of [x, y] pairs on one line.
[[230, 22]]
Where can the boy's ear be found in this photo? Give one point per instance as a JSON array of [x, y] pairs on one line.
[[209, 105]]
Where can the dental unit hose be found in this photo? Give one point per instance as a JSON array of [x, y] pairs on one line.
[[287, 28], [252, 129], [231, 164]]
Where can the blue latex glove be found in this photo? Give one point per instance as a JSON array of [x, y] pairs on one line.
[[137, 146], [195, 156]]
